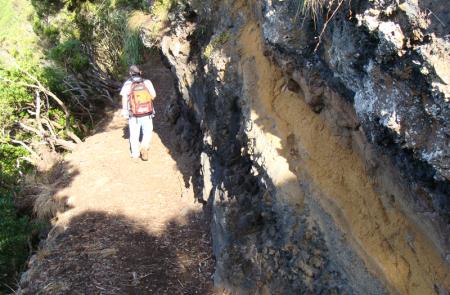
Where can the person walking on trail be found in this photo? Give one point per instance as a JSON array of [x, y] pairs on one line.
[[137, 106]]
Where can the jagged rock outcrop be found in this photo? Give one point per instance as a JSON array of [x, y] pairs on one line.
[[325, 143]]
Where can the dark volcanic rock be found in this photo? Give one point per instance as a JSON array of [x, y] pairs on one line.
[[326, 160]]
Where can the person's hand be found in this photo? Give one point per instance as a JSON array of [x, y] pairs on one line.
[[125, 114]]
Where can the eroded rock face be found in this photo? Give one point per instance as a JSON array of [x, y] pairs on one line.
[[327, 165]]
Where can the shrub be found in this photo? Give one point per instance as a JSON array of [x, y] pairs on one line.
[[51, 33], [47, 7], [15, 233], [71, 55], [48, 31], [12, 97], [9, 155]]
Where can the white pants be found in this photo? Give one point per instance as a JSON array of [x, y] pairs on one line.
[[135, 124]]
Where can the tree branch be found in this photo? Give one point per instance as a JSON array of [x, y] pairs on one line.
[[25, 146]]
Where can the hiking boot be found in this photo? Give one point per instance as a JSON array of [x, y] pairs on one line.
[[144, 154]]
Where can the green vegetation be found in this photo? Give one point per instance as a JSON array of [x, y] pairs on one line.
[[70, 54], [133, 48], [56, 60], [160, 16], [59, 60], [15, 244], [161, 8], [94, 36], [15, 32], [17, 99], [216, 42]]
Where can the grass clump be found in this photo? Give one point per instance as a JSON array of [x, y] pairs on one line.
[[216, 42], [133, 48]]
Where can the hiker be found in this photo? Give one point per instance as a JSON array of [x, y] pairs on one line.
[[137, 106]]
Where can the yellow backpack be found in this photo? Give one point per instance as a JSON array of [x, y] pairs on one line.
[[141, 101]]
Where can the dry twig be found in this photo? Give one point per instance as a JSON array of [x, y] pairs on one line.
[[326, 24]]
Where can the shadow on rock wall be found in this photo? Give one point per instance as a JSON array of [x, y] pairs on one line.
[[175, 124]]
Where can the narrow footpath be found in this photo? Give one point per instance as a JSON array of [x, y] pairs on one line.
[[130, 227]]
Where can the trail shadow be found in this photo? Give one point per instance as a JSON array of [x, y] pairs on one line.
[[101, 253], [175, 124]]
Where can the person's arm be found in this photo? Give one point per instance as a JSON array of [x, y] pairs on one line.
[[124, 102], [124, 93]]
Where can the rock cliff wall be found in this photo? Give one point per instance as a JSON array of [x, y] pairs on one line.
[[325, 150]]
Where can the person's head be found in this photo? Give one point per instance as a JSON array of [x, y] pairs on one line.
[[135, 71]]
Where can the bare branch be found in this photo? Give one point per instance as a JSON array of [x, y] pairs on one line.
[[326, 24], [73, 136], [29, 160], [83, 93], [38, 109], [67, 145], [40, 133]]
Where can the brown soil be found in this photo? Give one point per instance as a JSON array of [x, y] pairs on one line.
[[132, 227]]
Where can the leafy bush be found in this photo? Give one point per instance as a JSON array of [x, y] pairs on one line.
[[47, 7], [71, 55], [15, 233], [9, 155], [21, 58], [13, 98], [48, 31]]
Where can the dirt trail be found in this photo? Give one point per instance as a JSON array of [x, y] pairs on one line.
[[132, 228]]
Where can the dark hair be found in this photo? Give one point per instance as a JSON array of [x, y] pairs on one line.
[[135, 71]]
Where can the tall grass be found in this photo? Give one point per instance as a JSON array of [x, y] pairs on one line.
[[117, 42], [133, 48]]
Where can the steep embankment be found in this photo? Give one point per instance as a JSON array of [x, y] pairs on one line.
[[130, 227], [327, 170]]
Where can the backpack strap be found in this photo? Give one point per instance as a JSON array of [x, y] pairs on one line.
[[134, 82]]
